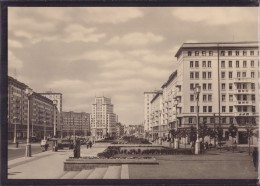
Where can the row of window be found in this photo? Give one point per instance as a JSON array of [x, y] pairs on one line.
[[208, 109], [196, 64], [223, 53], [244, 64], [230, 75], [205, 97], [196, 75], [239, 86]]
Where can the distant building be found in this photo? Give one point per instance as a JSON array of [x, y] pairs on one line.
[[78, 122], [103, 118], [119, 130], [57, 100]]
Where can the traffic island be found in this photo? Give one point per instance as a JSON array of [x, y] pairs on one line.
[[78, 164]]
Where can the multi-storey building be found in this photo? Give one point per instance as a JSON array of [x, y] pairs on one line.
[[17, 109], [42, 115], [77, 123], [148, 96], [57, 100], [159, 130], [103, 118], [119, 130], [228, 76]]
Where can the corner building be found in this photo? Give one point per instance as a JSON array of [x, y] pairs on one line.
[[228, 76], [103, 118]]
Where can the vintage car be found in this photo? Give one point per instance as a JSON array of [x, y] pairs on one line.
[[65, 143]]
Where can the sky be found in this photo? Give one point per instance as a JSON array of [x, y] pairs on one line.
[[120, 53]]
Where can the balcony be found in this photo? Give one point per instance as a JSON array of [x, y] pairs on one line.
[[244, 91], [242, 80], [179, 94], [178, 83], [242, 114], [244, 103]]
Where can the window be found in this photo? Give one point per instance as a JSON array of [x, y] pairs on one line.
[[204, 86], [238, 74], [237, 53], [230, 108], [191, 64], [210, 97], [209, 86], [251, 53], [204, 75], [204, 97], [211, 120], [222, 75], [204, 109], [196, 53], [243, 74], [238, 97], [190, 120], [252, 74], [222, 53], [231, 120], [253, 98], [230, 64], [252, 63], [244, 53], [244, 108], [223, 108], [191, 86], [192, 109], [222, 64], [203, 53], [244, 86], [210, 53], [191, 97], [239, 109], [230, 86], [229, 53], [204, 64], [244, 64], [230, 74], [191, 75], [223, 86], [244, 97], [209, 63], [252, 86], [253, 108], [237, 64], [197, 75], [189, 53], [230, 97], [223, 97], [210, 109], [209, 75], [196, 64], [224, 120]]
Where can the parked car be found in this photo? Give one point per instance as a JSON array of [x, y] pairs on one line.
[[34, 139], [65, 143]]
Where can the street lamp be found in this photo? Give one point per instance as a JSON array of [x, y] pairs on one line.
[[28, 153], [197, 93], [15, 118], [176, 141]]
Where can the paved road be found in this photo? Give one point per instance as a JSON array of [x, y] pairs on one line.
[[14, 152]]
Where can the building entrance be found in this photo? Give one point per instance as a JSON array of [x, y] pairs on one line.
[[242, 138]]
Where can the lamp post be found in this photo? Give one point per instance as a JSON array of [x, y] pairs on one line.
[[44, 125], [197, 93], [74, 132], [15, 129], [28, 153], [176, 141], [16, 119]]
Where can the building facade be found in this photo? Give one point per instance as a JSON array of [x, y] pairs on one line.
[[148, 96], [75, 123], [57, 100], [119, 130], [103, 118], [17, 109]]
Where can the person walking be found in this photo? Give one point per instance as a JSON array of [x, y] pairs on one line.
[[90, 144], [255, 158]]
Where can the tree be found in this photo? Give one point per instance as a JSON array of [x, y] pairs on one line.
[[212, 134], [184, 133], [219, 134], [249, 134], [232, 130], [203, 131], [193, 134]]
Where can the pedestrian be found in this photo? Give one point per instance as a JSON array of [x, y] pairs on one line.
[[255, 158], [87, 144], [206, 145], [90, 144]]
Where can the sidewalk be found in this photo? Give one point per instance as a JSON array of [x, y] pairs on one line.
[[46, 165]]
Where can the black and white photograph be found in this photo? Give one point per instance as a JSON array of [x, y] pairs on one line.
[[133, 93]]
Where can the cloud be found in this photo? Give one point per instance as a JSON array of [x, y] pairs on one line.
[[110, 15], [13, 61], [76, 32], [215, 16], [14, 44], [136, 39]]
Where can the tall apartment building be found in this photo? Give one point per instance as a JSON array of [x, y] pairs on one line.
[[103, 118], [17, 109], [78, 122], [42, 112], [57, 100], [228, 76], [148, 96]]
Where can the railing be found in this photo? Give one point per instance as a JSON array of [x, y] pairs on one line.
[[244, 91], [244, 102], [239, 80], [245, 113]]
